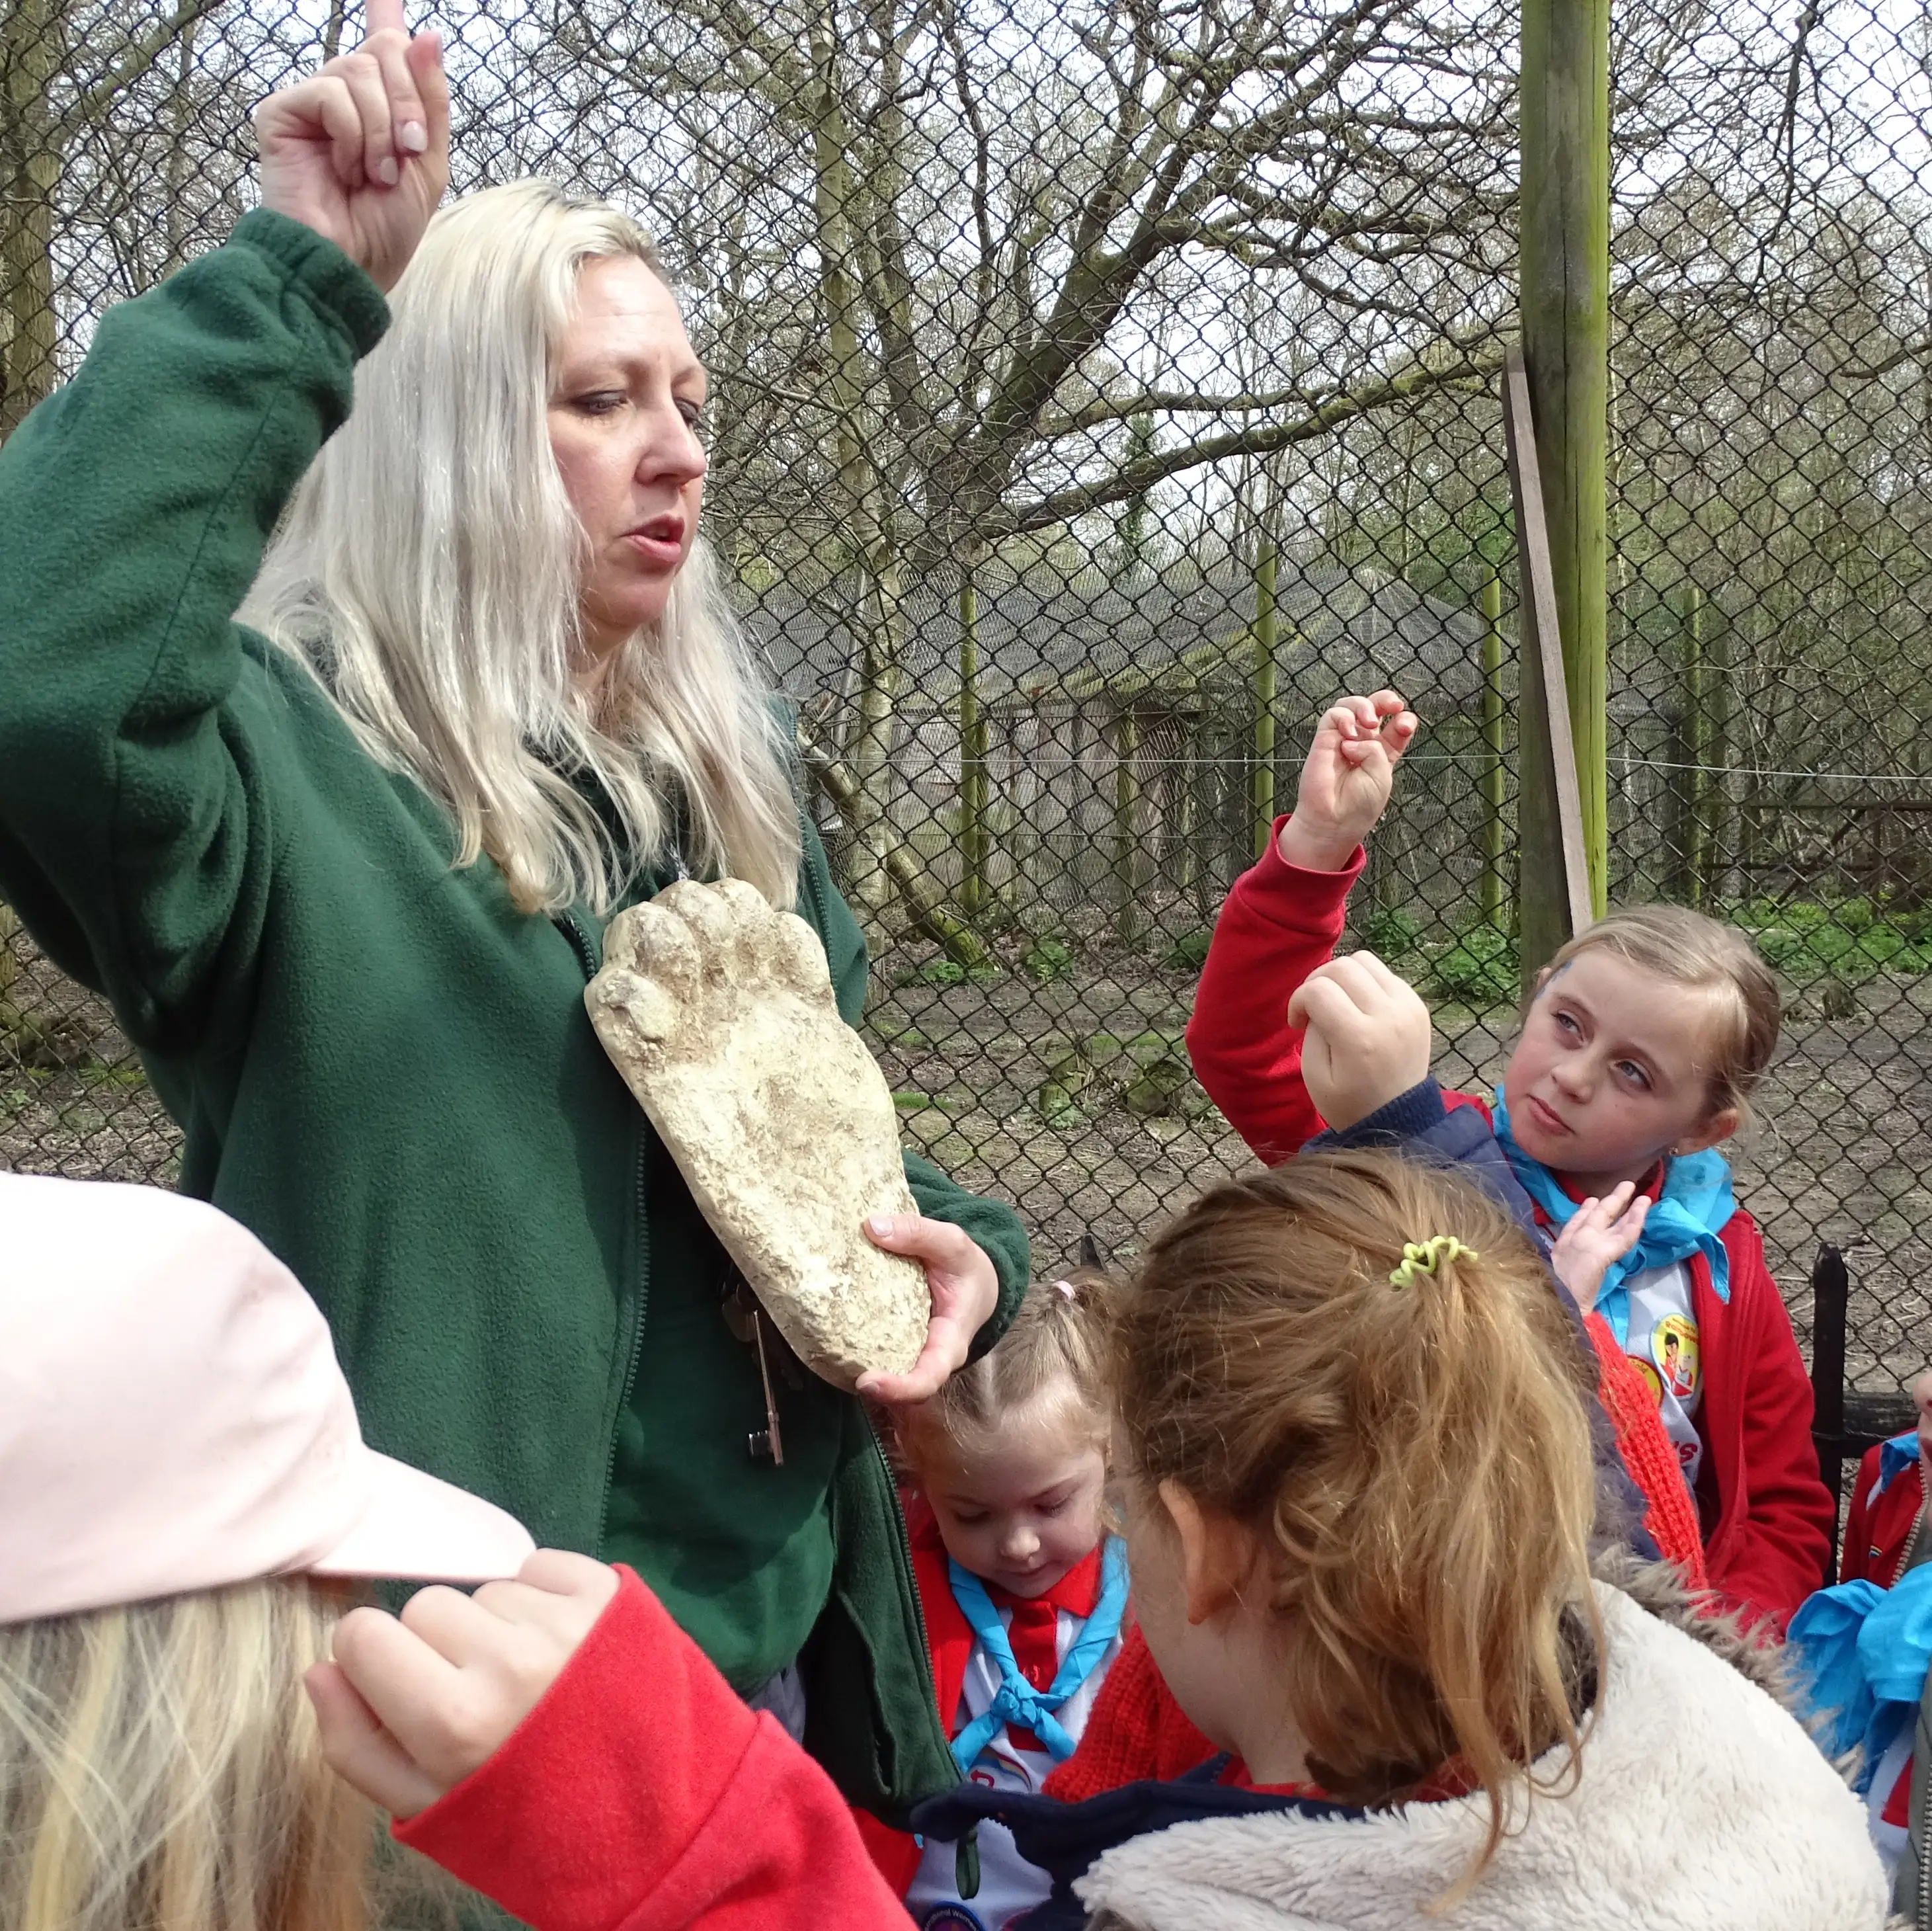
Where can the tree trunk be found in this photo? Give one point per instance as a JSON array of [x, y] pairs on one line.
[[32, 45], [878, 618], [907, 877], [10, 952]]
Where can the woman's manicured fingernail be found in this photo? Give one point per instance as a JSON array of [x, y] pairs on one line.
[[880, 1224], [412, 137], [387, 172]]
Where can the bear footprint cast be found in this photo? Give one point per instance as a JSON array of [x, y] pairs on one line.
[[719, 1012]]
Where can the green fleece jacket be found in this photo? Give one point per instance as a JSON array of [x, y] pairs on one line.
[[381, 1066]]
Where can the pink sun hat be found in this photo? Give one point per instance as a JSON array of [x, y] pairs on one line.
[[172, 1418]]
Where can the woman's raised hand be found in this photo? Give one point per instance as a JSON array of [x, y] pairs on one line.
[[360, 151], [1346, 781]]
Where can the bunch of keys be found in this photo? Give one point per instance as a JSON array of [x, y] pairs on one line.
[[750, 1324]]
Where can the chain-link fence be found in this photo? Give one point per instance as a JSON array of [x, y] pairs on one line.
[[1100, 389]]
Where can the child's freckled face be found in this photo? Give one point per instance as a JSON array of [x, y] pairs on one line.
[[1608, 1075], [1022, 1514]]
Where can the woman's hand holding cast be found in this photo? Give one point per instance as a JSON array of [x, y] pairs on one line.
[[965, 1290]]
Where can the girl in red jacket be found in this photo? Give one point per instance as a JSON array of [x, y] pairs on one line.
[[1023, 1591], [1885, 1529], [1638, 1051]]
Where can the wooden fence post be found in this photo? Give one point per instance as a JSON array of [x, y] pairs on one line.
[[1565, 278], [1127, 925], [1494, 915], [972, 757], [1696, 739], [1555, 889]]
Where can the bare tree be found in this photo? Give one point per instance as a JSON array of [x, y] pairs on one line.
[[975, 219]]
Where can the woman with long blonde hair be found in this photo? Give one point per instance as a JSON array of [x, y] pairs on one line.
[[342, 862]]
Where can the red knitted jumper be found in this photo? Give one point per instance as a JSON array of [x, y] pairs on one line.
[[1135, 1729], [1670, 1515]]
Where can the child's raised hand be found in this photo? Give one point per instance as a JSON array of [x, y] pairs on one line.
[[411, 1705], [1367, 1039], [1346, 779], [1598, 1234]]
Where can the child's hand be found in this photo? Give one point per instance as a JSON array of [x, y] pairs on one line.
[[1368, 1037], [1597, 1234], [1346, 781], [411, 1706]]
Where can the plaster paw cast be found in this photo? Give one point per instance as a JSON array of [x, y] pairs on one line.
[[718, 1011]]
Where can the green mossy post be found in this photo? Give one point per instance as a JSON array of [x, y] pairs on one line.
[[972, 758], [1265, 636], [1494, 911], [1565, 285], [1127, 927]]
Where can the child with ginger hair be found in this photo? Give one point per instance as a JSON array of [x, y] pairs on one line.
[[1023, 1591], [1352, 1453], [1639, 1051]]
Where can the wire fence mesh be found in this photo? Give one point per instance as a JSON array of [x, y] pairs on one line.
[[1100, 389]]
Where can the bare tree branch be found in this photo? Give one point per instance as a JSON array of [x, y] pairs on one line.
[[1132, 478]]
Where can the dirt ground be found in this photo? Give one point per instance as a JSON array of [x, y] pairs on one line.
[[1071, 1099]]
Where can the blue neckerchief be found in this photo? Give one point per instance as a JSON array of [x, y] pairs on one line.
[[1016, 1701], [1894, 1457], [1862, 1653], [1687, 1218]]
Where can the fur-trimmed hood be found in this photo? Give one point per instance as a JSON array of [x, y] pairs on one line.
[[1703, 1806]]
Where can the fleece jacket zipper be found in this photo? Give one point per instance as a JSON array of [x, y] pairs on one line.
[[908, 1578], [630, 1314]]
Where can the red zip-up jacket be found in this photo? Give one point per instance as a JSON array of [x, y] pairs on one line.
[[1771, 1541], [1879, 1527], [640, 1794]]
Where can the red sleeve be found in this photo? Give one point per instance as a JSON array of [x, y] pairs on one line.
[[1280, 923], [1768, 1559], [640, 1794], [1855, 1565]]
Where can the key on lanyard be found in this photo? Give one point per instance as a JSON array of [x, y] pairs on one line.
[[767, 1440]]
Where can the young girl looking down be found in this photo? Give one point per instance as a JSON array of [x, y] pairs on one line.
[[1638, 1053], [1023, 1591]]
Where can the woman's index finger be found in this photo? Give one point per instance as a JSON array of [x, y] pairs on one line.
[[385, 16]]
